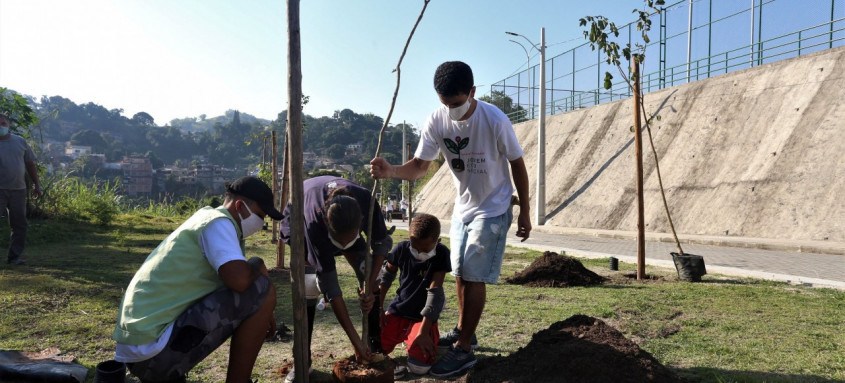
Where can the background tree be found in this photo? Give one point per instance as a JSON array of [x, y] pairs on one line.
[[143, 118], [90, 138], [18, 110], [505, 103]]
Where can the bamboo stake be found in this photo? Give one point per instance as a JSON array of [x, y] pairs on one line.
[[297, 220], [368, 268]]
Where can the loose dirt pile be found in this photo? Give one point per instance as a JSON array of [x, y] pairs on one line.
[[349, 371], [579, 349], [553, 270]]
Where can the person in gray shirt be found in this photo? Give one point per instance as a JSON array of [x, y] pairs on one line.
[[16, 160]]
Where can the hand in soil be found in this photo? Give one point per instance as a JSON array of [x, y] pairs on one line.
[[366, 301]]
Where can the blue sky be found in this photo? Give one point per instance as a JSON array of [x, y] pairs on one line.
[[183, 58]]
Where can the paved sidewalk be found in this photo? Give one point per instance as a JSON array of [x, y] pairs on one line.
[[748, 259]]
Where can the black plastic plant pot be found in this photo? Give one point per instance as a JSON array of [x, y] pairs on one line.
[[690, 267], [614, 263], [110, 371]]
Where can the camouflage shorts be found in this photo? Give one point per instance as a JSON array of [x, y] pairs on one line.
[[200, 330]]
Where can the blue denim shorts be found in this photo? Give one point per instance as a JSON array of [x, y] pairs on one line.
[[477, 247]]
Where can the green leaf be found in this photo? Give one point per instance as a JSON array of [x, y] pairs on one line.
[[608, 80], [451, 146], [463, 143]]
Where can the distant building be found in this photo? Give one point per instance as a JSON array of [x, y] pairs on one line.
[[76, 151], [208, 175], [353, 149], [137, 175]]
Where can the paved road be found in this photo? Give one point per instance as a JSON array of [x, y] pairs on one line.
[[820, 270]]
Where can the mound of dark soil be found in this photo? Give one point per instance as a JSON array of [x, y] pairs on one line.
[[553, 270], [579, 349]]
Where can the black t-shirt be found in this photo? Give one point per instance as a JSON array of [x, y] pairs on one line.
[[321, 251], [415, 278]]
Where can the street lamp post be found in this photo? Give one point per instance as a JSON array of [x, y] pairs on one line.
[[540, 204], [527, 67]]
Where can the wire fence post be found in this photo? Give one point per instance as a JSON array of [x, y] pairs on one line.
[[830, 38], [760, 35], [709, 36], [751, 46]]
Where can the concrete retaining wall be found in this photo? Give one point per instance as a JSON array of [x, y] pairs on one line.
[[754, 153]]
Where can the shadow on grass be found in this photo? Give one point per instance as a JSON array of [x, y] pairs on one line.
[[715, 375]]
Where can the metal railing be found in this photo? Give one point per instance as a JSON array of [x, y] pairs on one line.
[[775, 30]]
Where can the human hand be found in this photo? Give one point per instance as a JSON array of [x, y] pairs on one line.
[[523, 225], [362, 353], [380, 168], [36, 191], [366, 301], [425, 344]]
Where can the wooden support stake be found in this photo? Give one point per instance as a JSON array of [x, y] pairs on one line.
[[283, 202], [275, 179], [297, 217], [410, 188], [638, 144]]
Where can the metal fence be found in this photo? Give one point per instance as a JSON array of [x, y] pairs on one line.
[[725, 36]]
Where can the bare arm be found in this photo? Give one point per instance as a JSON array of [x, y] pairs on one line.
[[409, 171], [382, 287], [239, 275], [342, 315], [32, 170], [423, 340], [520, 179]]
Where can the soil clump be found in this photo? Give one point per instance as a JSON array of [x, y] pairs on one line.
[[553, 270], [578, 349]]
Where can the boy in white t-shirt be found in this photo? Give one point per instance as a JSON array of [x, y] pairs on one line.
[[479, 143]]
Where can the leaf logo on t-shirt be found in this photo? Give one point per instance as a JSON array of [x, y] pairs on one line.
[[456, 147]]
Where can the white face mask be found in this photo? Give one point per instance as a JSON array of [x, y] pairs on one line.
[[4, 130], [251, 224], [421, 256], [348, 245], [456, 113]]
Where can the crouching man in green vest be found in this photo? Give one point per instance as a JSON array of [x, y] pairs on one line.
[[196, 289]]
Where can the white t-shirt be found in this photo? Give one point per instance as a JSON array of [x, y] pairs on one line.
[[478, 151], [219, 243]]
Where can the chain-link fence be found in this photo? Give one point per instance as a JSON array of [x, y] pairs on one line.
[[723, 36]]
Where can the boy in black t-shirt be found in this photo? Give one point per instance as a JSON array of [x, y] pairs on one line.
[[422, 263]]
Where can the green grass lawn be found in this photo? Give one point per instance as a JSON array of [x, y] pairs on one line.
[[720, 330]]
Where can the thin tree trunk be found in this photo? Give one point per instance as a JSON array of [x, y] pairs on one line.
[[659, 177], [368, 268]]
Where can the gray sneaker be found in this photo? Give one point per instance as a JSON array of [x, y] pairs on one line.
[[446, 341], [455, 362]]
